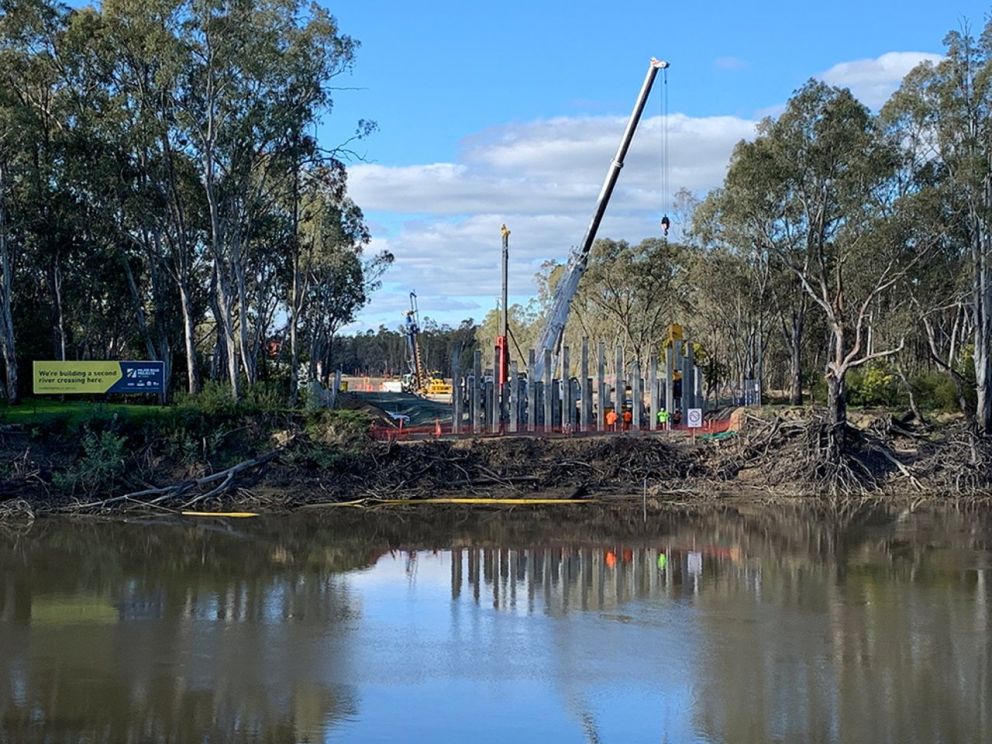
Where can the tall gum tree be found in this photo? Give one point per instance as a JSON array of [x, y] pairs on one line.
[[944, 113], [259, 74], [8, 145], [826, 162]]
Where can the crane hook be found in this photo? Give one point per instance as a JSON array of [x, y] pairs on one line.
[[665, 224]]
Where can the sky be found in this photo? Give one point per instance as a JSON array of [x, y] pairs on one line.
[[511, 113]]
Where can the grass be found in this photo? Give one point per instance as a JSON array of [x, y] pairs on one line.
[[33, 411]]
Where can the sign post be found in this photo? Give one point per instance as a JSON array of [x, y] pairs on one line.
[[694, 419], [98, 378]]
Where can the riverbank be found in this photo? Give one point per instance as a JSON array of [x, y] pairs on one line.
[[255, 460]]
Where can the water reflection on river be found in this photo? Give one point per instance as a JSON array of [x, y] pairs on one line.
[[754, 626]]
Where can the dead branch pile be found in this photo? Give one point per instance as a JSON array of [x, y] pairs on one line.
[[956, 461], [228, 484], [24, 476], [508, 466], [811, 456]]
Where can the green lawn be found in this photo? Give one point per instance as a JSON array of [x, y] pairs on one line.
[[39, 410]]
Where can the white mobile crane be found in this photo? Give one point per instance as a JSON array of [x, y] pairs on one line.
[[550, 339]]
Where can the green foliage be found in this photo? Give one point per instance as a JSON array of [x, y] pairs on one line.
[[332, 437], [268, 396], [101, 465], [215, 398], [54, 415], [873, 385], [935, 391], [346, 429]]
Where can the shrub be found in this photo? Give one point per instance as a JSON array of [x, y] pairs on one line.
[[935, 391], [874, 385], [344, 428], [215, 397], [100, 466]]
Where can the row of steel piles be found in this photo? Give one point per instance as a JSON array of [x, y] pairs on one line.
[[573, 405]]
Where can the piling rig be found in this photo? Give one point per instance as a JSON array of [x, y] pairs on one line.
[[417, 380]]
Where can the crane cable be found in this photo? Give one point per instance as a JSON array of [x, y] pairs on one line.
[[665, 222]]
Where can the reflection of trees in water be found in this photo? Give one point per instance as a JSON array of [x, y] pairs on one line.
[[146, 632], [173, 634], [877, 632], [872, 633]]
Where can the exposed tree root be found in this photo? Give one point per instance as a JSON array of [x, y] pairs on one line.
[[815, 457]]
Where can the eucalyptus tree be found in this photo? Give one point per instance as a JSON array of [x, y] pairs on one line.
[[160, 209], [641, 289], [35, 90], [257, 74], [734, 230], [628, 296], [944, 113], [724, 309], [9, 151], [839, 233]]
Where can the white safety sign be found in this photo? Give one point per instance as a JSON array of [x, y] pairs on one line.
[[694, 418]]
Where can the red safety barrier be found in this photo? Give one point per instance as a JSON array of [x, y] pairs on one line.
[[439, 430]]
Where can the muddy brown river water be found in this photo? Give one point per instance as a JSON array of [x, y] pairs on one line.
[[735, 625]]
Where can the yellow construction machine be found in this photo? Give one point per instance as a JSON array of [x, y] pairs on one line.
[[417, 380]]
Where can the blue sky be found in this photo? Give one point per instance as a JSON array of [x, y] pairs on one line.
[[510, 112]]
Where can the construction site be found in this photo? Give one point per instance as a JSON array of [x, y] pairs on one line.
[[554, 390]]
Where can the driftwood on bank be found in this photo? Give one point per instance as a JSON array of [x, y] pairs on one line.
[[194, 490]]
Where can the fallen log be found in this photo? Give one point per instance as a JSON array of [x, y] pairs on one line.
[[176, 490]]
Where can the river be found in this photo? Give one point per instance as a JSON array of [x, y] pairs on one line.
[[432, 625]]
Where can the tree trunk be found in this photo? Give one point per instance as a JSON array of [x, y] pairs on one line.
[[225, 355], [836, 400], [795, 357], [219, 239], [139, 310], [759, 365], [294, 346], [982, 298], [58, 317], [163, 343], [192, 368], [248, 360], [225, 326], [7, 347]]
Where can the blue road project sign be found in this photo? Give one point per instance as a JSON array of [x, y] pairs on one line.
[[140, 377], [62, 378]]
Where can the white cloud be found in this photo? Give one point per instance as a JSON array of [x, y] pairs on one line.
[[441, 220], [873, 80], [540, 178]]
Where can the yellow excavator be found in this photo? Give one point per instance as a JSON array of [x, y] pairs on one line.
[[417, 380]]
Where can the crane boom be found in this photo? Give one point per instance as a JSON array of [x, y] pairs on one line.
[[568, 285]]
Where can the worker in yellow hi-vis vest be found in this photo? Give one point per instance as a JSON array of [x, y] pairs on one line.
[[663, 418]]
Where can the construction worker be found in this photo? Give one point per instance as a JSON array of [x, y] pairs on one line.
[[628, 417], [663, 418], [611, 420]]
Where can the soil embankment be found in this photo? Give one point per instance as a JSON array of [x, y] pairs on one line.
[[262, 462]]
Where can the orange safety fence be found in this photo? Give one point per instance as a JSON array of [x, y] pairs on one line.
[[444, 430]]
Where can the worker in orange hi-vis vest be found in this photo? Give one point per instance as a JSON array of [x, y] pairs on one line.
[[611, 420], [628, 418]]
